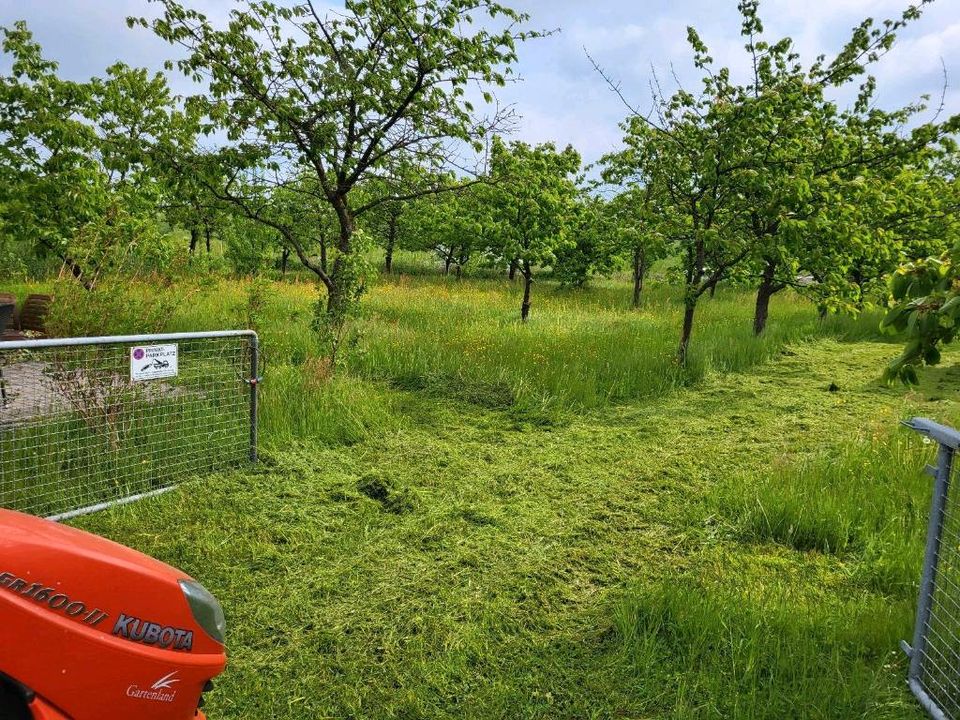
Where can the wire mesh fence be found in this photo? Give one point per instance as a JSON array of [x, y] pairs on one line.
[[89, 422], [934, 674]]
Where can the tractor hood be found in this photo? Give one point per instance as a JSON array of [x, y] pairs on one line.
[[93, 619]]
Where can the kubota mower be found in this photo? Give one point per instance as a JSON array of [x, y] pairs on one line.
[[91, 630]]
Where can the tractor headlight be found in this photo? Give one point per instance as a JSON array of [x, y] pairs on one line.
[[205, 608]]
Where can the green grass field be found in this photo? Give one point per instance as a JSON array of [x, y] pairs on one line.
[[481, 519]]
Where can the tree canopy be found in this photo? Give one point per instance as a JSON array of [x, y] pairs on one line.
[[769, 179], [346, 97], [534, 194]]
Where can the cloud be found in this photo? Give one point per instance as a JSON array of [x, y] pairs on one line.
[[921, 54], [821, 11], [561, 97], [608, 37]]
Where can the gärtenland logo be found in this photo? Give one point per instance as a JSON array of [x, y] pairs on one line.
[[161, 691]]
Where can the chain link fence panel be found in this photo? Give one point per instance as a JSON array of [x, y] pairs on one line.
[[934, 674], [86, 423]]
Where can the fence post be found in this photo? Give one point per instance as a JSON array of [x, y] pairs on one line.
[[254, 381]]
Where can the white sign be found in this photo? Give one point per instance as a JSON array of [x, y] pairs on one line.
[[152, 362]]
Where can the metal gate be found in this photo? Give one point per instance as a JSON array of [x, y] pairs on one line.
[[934, 674], [86, 423]]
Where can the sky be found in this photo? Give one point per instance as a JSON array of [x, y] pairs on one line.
[[559, 95]]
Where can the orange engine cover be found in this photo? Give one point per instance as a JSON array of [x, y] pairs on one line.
[[96, 629]]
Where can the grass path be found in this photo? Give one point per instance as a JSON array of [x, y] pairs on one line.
[[469, 565]]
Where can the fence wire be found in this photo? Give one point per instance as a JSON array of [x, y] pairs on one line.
[[934, 674], [93, 422]]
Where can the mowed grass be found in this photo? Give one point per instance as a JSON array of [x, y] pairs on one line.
[[481, 519], [464, 566]]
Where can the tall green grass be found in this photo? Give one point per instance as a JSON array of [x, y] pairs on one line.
[[757, 651], [869, 499], [297, 405], [462, 340], [835, 501], [581, 349]]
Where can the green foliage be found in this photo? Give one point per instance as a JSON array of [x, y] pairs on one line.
[[769, 179], [592, 233], [76, 176], [341, 99], [534, 196], [355, 272], [456, 226], [636, 234], [51, 186], [114, 306], [925, 306], [13, 264], [688, 159], [249, 246], [254, 309], [417, 223]]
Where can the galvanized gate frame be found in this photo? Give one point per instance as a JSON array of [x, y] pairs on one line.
[[252, 380], [927, 654]]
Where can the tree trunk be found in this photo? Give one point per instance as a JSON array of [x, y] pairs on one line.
[[336, 313], [284, 258], [78, 273], [764, 293], [388, 260], [512, 273], [861, 290], [690, 307], [527, 282], [639, 270], [342, 285], [75, 269], [447, 261], [194, 239], [391, 240], [459, 270], [207, 233]]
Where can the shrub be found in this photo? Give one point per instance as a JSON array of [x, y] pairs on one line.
[[115, 306]]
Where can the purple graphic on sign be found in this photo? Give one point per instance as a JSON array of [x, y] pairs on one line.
[[138, 354]]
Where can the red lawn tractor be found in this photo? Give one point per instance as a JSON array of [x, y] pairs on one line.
[[90, 629]]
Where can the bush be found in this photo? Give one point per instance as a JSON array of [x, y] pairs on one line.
[[115, 306], [248, 248]]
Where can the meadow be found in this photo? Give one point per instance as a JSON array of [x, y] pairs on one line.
[[482, 518]]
